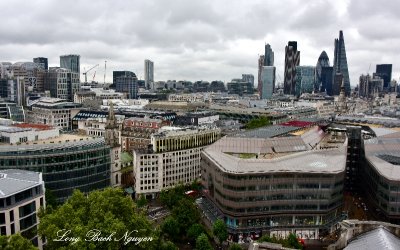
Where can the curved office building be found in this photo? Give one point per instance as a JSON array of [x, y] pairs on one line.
[[275, 185], [67, 163]]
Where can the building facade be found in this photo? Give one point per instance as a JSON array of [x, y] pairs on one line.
[[305, 76], [384, 71], [268, 56], [174, 158], [22, 195], [42, 61], [275, 186], [340, 63], [71, 62], [149, 74], [292, 60], [53, 111], [67, 162], [267, 82], [127, 84], [323, 62], [62, 83]]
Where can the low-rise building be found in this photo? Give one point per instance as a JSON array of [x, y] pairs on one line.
[[25, 132], [22, 193], [53, 111], [174, 158]]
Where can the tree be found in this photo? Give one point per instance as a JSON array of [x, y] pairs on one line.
[[257, 123], [186, 214], [235, 246], [51, 198], [170, 227], [168, 245], [141, 202], [194, 231], [293, 241], [171, 197], [202, 243], [220, 230], [86, 218], [15, 242]]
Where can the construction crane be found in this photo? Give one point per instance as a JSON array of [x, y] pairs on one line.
[[85, 73]]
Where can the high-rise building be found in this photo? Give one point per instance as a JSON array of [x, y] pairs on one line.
[[127, 84], [268, 56], [240, 87], [124, 73], [304, 79], [267, 82], [384, 71], [149, 74], [337, 82], [248, 78], [71, 62], [42, 62], [62, 83], [260, 65], [340, 64], [327, 80], [292, 59], [323, 61]]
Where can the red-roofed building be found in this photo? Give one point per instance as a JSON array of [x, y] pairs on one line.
[[301, 124]]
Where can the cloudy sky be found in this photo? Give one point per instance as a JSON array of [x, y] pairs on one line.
[[199, 39]]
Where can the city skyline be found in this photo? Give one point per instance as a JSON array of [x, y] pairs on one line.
[[200, 40]]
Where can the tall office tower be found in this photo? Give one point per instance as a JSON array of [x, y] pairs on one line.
[[120, 73], [340, 64], [337, 83], [292, 59], [327, 80], [260, 65], [268, 56], [323, 61], [267, 82], [384, 71], [304, 79], [42, 62], [62, 83], [71, 62], [248, 78], [149, 74], [127, 84]]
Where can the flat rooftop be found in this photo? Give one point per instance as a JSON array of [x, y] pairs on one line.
[[313, 152], [383, 153], [13, 181]]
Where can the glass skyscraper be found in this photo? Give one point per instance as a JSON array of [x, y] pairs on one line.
[[304, 79], [384, 71], [323, 61], [292, 59], [269, 56], [71, 62], [267, 81], [340, 62]]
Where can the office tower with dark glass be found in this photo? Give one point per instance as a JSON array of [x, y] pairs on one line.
[[149, 74], [71, 62], [120, 73], [260, 65], [340, 63], [304, 79], [323, 62], [384, 71], [268, 56], [42, 62], [292, 59], [267, 82]]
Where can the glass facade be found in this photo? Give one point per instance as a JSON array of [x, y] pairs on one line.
[[83, 165], [340, 62], [304, 79], [266, 201]]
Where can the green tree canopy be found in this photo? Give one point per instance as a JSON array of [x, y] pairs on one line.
[[168, 245], [235, 246], [170, 227], [194, 231], [99, 214], [15, 242], [257, 123], [142, 201], [186, 213], [202, 243], [220, 230]]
